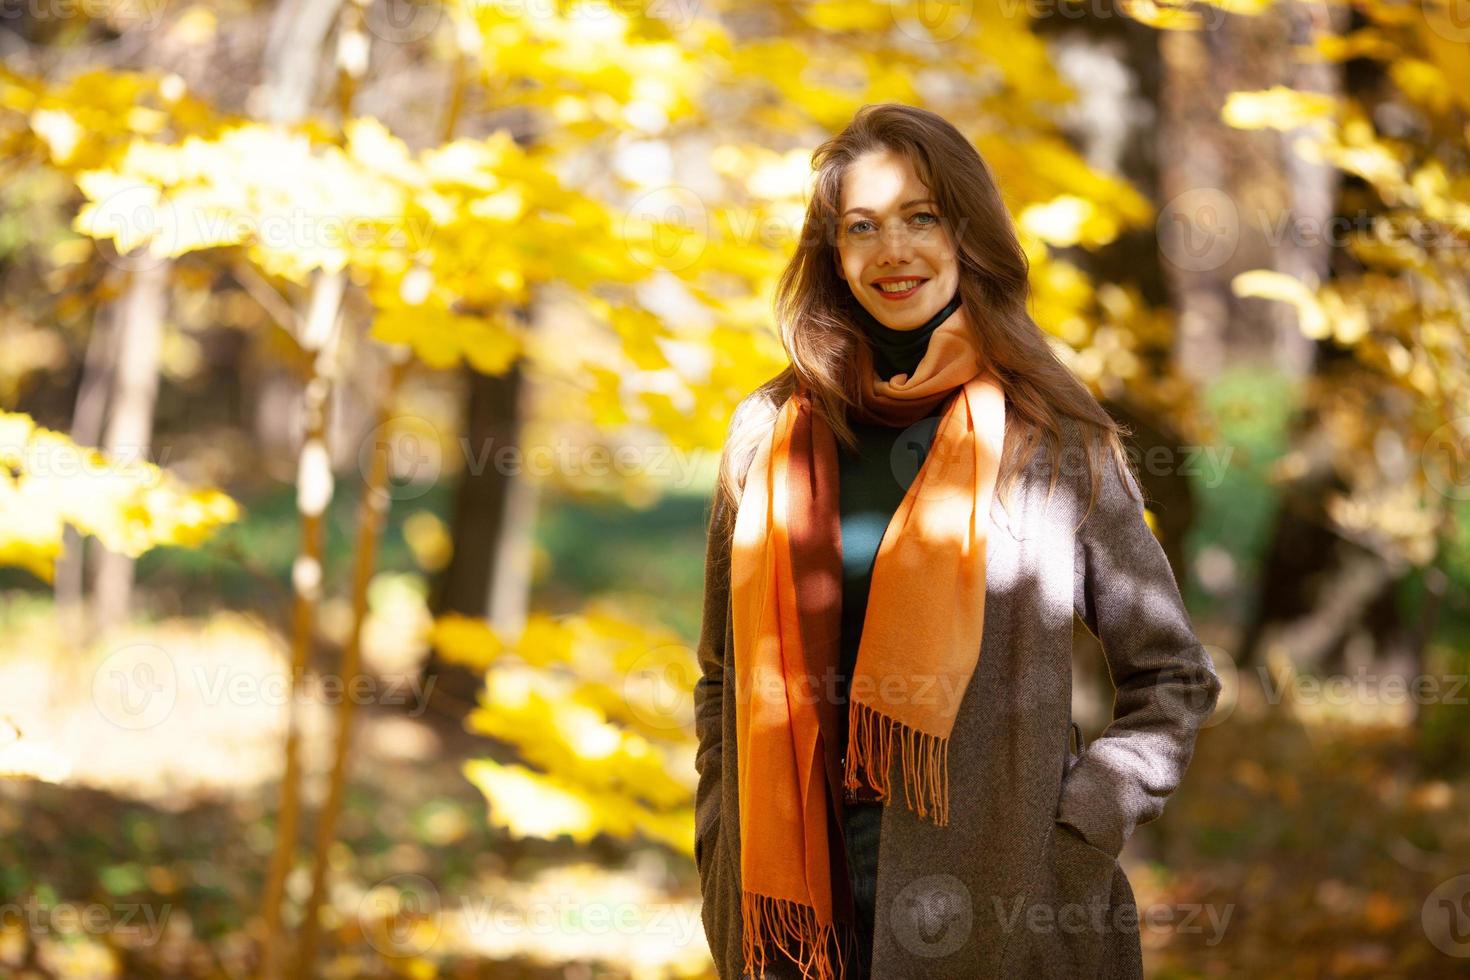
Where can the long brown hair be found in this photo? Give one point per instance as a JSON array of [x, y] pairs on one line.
[[816, 309]]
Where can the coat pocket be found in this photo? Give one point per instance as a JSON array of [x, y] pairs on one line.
[[1068, 923]]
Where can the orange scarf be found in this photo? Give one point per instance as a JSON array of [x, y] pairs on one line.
[[919, 646]]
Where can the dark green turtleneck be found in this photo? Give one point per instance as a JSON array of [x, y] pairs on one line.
[[872, 483], [896, 351]]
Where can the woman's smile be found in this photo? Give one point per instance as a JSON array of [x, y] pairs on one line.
[[898, 288]]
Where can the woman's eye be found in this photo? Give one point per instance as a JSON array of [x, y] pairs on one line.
[[864, 226]]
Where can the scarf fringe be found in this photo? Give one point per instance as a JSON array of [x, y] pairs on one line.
[[786, 924], [924, 757]]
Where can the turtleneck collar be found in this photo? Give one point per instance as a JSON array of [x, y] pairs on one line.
[[899, 351]]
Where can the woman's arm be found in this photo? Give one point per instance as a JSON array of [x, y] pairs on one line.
[[1124, 590], [709, 688]]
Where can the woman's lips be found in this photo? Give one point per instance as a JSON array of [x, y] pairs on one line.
[[903, 295]]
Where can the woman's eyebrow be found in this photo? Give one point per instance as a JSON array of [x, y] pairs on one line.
[[905, 204]]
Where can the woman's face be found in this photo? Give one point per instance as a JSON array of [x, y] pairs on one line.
[[889, 231]]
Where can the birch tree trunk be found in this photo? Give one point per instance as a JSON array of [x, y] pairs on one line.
[[130, 423], [88, 421]]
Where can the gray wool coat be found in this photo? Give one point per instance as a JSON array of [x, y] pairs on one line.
[[1024, 881]]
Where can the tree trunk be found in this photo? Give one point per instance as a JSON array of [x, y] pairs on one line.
[[1240, 199], [372, 511], [88, 421], [488, 576], [130, 425], [292, 61], [291, 64], [314, 489]]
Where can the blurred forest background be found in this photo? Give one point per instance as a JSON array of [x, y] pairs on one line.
[[365, 369]]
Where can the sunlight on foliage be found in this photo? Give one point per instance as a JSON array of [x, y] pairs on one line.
[[48, 482], [1403, 310], [600, 705]]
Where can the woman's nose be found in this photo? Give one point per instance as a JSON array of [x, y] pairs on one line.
[[896, 245]]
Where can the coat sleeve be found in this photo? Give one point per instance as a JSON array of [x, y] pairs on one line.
[[710, 686], [1124, 590]]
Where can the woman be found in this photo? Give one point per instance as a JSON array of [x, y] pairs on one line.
[[907, 519]]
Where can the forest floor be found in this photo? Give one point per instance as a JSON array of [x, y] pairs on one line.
[[1300, 845], [143, 851]]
